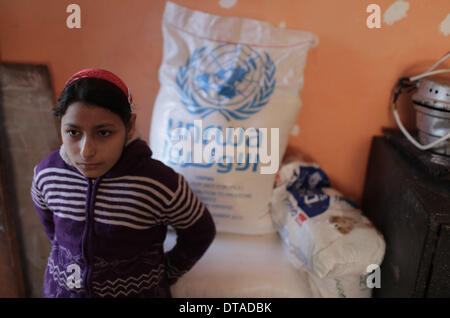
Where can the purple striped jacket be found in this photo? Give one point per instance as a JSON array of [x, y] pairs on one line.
[[107, 233]]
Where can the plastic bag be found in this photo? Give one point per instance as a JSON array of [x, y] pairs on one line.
[[228, 84], [324, 231]]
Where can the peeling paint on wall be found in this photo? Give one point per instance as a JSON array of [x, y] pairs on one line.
[[445, 25], [295, 130], [396, 12], [227, 3]]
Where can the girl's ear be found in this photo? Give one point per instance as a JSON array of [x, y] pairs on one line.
[[131, 126]]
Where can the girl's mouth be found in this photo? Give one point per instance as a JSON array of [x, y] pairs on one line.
[[89, 166]]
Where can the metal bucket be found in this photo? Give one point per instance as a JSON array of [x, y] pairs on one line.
[[432, 104]]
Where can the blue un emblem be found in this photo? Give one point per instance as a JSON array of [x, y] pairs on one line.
[[231, 79]]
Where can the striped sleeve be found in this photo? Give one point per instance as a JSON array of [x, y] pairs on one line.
[[185, 207], [195, 230], [45, 214]]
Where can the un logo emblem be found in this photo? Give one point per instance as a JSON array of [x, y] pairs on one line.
[[231, 79]]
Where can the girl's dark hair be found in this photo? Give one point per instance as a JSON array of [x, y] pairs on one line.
[[95, 91]]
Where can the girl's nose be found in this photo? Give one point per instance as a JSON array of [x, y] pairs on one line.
[[87, 150]]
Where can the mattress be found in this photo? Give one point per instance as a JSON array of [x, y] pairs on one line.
[[242, 266]]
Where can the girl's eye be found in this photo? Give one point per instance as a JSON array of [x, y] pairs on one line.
[[72, 133], [104, 133]]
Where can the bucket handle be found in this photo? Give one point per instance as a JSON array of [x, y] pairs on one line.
[[409, 82]]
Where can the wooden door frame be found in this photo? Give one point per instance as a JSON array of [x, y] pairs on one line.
[[11, 270]]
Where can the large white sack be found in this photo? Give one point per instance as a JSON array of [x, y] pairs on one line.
[[228, 72]]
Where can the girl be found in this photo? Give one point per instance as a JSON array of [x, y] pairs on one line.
[[105, 203]]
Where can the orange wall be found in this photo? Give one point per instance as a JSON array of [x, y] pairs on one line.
[[348, 77]]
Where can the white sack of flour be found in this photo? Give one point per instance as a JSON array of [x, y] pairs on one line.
[[324, 232], [228, 99], [349, 286]]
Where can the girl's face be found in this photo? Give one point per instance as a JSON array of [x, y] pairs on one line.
[[94, 137]]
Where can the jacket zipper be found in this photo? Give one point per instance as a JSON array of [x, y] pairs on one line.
[[87, 244]]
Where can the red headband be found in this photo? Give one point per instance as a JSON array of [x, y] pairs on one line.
[[104, 75]]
